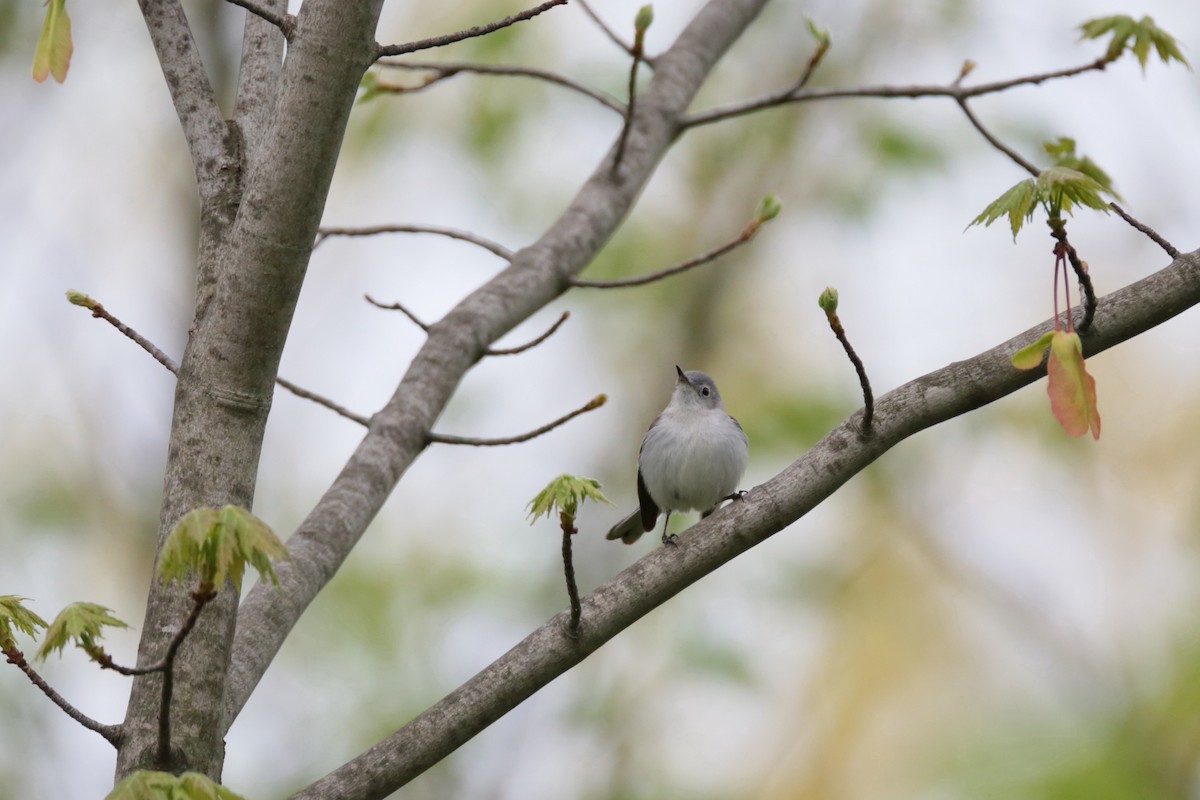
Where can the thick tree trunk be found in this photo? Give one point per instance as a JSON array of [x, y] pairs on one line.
[[254, 250]]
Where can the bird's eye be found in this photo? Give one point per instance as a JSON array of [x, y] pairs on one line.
[[706, 391]]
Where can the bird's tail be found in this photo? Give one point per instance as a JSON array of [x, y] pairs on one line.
[[628, 530]]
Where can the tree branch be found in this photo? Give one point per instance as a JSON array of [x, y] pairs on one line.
[[491, 351], [953, 90], [448, 69], [323, 401], [538, 274], [592, 405], [712, 542], [994, 142], [712, 255], [464, 236], [285, 22], [1154, 236], [611, 34], [212, 149], [382, 51], [111, 733]]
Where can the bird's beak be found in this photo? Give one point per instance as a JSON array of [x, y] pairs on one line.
[[679, 372]]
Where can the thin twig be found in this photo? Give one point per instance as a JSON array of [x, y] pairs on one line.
[[101, 657], [398, 307], [1146, 229], [382, 51], [505, 351], [323, 401], [994, 142], [444, 70], [99, 311], [745, 236], [1058, 230], [285, 22], [200, 598], [111, 733], [512, 351], [442, 438], [568, 530], [954, 90], [452, 233], [630, 105], [611, 34], [835, 325]]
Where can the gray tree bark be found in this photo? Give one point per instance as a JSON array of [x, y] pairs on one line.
[[261, 203]]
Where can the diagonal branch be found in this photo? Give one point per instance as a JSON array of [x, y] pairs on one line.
[[382, 51], [285, 22], [538, 274], [100, 312], [591, 405], [195, 101], [111, 733], [448, 69], [452, 233], [491, 351], [321, 400], [712, 255], [1154, 236], [714, 541], [611, 34]]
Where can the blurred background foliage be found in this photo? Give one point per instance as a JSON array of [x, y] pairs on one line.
[[991, 611]]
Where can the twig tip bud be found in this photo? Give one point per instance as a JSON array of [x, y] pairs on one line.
[[828, 301]]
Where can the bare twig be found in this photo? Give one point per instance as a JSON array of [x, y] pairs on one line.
[[828, 303], [444, 70], [568, 530], [100, 312], [111, 733], [285, 22], [382, 51], [1146, 229], [323, 401], [746, 235], [642, 22], [452, 233], [398, 307], [512, 351], [994, 142], [505, 351], [611, 34], [953, 90], [592, 405], [200, 598]]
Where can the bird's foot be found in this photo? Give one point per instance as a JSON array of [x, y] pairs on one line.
[[670, 539]]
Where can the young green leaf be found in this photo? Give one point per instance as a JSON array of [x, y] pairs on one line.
[[81, 623], [1031, 355], [52, 56], [14, 614], [150, 785], [1017, 204], [1060, 188], [1072, 390], [565, 493], [1144, 34], [219, 544]]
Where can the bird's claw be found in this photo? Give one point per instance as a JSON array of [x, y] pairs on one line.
[[670, 539]]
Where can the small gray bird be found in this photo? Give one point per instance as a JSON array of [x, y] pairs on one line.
[[692, 457]]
